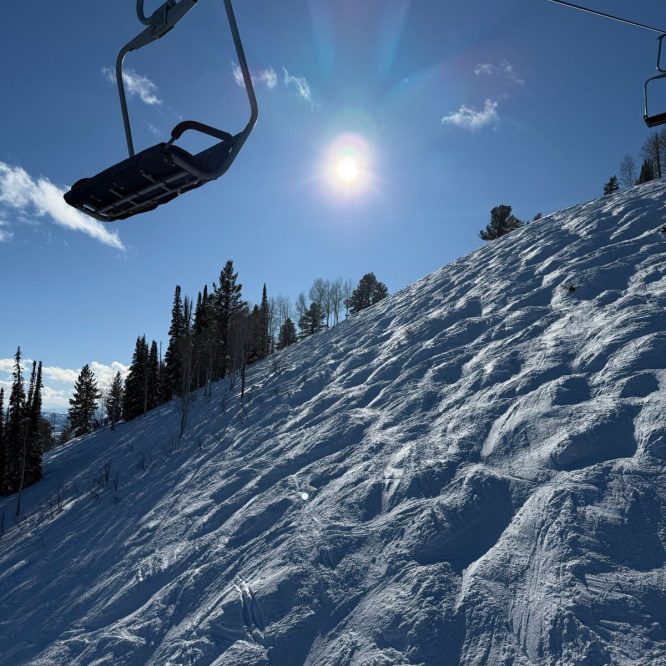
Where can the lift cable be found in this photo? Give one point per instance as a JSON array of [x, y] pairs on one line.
[[609, 16]]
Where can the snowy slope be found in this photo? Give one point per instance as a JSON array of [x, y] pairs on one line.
[[470, 472]]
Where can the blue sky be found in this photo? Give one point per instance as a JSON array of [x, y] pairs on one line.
[[453, 108]]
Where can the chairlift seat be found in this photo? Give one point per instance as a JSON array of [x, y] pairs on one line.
[[158, 174], [148, 179], [656, 120]]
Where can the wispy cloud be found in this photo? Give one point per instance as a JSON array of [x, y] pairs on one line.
[[267, 77], [300, 86], [26, 195], [136, 85], [473, 119], [5, 234], [504, 68]]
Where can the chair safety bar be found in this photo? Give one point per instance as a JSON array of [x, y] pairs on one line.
[[660, 118], [159, 23]]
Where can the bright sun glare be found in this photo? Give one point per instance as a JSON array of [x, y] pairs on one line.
[[348, 165], [347, 170]]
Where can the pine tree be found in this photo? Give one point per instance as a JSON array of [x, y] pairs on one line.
[[114, 401], [84, 403], [228, 304], [36, 430], [173, 358], [3, 452], [501, 222], [611, 186], [312, 320], [153, 378], [287, 334], [647, 172], [15, 428], [368, 292], [264, 343], [136, 382]]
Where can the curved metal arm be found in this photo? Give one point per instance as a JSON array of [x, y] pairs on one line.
[[161, 22], [247, 78], [139, 12]]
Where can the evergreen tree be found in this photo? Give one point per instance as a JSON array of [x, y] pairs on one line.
[[287, 334], [36, 432], [3, 453], [84, 403], [136, 383], [501, 222], [173, 357], [114, 400], [15, 429], [312, 320], [228, 304], [368, 292], [153, 378], [263, 340], [611, 186], [647, 172]]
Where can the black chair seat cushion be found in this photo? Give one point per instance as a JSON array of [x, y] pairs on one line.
[[144, 181], [653, 121]]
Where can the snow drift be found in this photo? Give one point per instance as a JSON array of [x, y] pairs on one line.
[[469, 472]]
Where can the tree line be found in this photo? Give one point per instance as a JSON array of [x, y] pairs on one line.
[[652, 164], [24, 433], [216, 335]]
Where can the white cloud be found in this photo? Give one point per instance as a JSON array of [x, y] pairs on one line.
[[20, 192], [505, 68], [301, 87], [62, 375], [485, 69], [106, 373], [56, 398], [136, 85], [269, 79], [266, 77], [473, 119]]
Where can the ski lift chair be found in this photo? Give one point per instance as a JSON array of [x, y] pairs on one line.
[[158, 174], [659, 118]]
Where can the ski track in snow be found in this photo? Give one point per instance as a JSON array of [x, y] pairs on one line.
[[483, 460]]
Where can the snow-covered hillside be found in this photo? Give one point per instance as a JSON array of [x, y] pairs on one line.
[[470, 472]]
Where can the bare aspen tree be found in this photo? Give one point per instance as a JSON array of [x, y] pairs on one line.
[[347, 291], [301, 306], [628, 173], [653, 150], [336, 297], [319, 295]]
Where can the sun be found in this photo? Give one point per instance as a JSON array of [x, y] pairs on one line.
[[348, 165], [347, 170]]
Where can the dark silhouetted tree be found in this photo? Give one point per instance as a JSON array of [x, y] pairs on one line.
[[83, 404], [368, 292], [15, 429], [173, 359], [136, 383], [114, 401], [647, 172], [611, 186], [287, 335], [502, 221]]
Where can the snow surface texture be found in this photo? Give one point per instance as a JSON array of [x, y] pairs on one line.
[[470, 472]]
